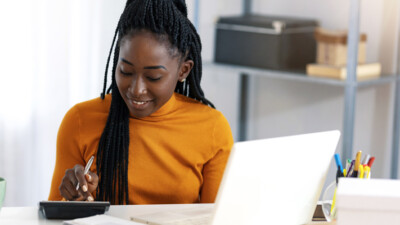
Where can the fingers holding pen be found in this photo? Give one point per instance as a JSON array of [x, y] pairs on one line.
[[89, 197], [67, 186], [68, 193], [92, 181], [81, 185], [80, 173], [78, 183]]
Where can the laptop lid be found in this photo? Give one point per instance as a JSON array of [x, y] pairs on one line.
[[274, 181]]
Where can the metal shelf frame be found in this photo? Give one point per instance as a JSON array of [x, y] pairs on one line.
[[351, 81], [298, 77]]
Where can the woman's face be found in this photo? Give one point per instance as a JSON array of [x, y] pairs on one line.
[[147, 73]]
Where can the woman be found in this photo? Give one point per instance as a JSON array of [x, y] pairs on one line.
[[156, 138]]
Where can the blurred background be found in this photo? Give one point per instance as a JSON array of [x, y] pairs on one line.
[[53, 55]]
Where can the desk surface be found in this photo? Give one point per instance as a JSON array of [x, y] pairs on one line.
[[31, 215]]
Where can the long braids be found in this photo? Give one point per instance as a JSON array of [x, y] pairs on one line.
[[165, 18]]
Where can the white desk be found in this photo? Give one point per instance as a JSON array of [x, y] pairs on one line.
[[31, 215]]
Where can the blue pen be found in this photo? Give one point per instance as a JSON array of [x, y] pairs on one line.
[[338, 163]]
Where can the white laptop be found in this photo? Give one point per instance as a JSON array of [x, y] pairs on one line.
[[274, 181], [270, 181]]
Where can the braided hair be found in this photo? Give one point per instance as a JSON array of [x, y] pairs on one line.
[[166, 19]]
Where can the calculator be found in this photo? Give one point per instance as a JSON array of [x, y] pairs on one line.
[[72, 209]]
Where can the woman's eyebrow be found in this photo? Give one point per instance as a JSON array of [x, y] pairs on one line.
[[126, 61], [146, 67], [155, 67]]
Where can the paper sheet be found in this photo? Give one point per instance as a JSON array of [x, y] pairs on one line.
[[190, 216], [100, 220]]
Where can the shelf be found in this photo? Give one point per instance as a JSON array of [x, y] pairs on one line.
[[384, 79], [301, 77]]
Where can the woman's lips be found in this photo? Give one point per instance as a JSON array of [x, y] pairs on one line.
[[137, 104]]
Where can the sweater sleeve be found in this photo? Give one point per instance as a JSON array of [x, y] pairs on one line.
[[69, 151], [213, 170]]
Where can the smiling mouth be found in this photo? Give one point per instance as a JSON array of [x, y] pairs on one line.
[[139, 102], [140, 105]]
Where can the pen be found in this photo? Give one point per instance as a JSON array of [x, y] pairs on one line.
[[87, 167], [366, 172], [357, 164], [361, 172], [338, 174], [366, 159], [350, 171], [348, 162], [333, 201], [338, 163], [371, 160]]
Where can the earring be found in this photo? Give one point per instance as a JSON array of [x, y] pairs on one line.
[[183, 80]]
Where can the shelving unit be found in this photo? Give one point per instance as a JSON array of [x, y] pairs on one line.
[[350, 86]]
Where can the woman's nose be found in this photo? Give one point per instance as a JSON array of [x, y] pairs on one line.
[[138, 86]]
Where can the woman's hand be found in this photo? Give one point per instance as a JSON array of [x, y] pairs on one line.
[[87, 184]]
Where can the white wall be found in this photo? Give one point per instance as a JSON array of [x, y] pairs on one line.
[[53, 56], [220, 88]]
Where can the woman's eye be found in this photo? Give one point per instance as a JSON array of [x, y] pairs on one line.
[[153, 79], [124, 73]]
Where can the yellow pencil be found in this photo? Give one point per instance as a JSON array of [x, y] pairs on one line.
[[361, 172], [357, 164], [333, 202]]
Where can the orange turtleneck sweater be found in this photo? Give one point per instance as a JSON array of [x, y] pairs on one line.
[[176, 155]]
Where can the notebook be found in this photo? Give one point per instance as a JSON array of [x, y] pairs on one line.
[[270, 181]]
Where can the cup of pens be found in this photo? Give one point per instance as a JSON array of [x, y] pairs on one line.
[[355, 168]]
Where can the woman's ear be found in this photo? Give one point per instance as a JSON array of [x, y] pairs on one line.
[[185, 69]]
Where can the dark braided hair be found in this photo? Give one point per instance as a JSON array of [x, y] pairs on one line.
[[167, 20]]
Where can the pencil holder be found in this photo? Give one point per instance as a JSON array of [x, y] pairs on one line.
[[328, 202]]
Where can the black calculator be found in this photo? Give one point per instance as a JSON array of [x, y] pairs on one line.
[[72, 209]]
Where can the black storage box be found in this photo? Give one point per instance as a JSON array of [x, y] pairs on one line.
[[269, 42]]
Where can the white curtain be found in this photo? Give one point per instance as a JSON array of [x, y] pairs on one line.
[[52, 56]]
